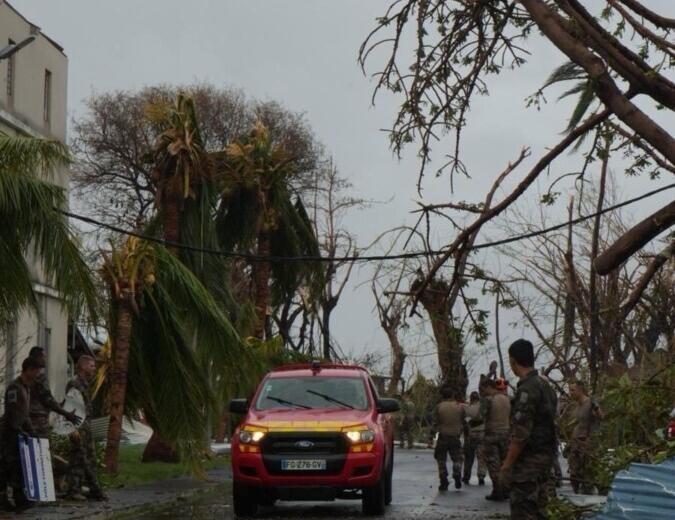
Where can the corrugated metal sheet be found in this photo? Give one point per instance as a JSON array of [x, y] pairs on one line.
[[642, 492]]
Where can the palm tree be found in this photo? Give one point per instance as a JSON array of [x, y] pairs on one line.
[[258, 210], [185, 202], [33, 226], [181, 167], [158, 307]]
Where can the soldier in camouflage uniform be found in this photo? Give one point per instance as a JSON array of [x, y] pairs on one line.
[[407, 422], [16, 422], [82, 470], [473, 440], [42, 401], [586, 415], [529, 460], [496, 413], [449, 422]]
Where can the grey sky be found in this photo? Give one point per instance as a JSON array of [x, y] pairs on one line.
[[303, 53]]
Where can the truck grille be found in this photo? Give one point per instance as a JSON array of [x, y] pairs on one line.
[[330, 446]]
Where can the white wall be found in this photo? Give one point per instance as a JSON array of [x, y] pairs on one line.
[[25, 116]]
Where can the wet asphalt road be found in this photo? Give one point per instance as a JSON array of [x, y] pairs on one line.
[[415, 497]]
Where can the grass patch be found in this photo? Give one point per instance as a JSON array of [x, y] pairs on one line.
[[133, 472]]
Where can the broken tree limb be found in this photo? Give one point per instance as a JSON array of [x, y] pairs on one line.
[[634, 239]]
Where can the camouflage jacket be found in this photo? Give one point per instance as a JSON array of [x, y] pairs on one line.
[[83, 386], [533, 415], [42, 401], [17, 407]]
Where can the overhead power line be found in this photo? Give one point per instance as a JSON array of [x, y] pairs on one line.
[[355, 258]]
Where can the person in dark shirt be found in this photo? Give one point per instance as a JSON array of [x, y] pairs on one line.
[[16, 422], [533, 443], [42, 401]]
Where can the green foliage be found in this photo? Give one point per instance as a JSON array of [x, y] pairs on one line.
[[423, 393], [560, 509], [636, 413], [185, 356], [257, 197], [27, 206], [133, 472]]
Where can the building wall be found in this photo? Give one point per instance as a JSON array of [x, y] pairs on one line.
[[24, 114]]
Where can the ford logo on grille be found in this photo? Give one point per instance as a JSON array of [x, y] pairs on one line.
[[305, 445]]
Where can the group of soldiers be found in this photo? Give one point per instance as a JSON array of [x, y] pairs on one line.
[[28, 403], [515, 439]]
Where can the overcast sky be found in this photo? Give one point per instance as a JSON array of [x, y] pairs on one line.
[[303, 54]]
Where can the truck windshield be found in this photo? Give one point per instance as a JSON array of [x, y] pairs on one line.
[[347, 393]]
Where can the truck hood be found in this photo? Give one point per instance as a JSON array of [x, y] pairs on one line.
[[308, 420]]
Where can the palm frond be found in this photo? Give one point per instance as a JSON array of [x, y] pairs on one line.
[[586, 98], [15, 277], [28, 205], [576, 89], [294, 236], [185, 356], [219, 348], [32, 157], [565, 72]]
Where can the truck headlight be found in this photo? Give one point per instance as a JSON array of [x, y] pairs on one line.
[[361, 436], [249, 437]]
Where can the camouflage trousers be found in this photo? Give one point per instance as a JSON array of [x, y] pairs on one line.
[[580, 466], [82, 463], [495, 446], [474, 450], [41, 426], [531, 486], [449, 445], [405, 434]]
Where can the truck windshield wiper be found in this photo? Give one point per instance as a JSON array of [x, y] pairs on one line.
[[331, 399], [287, 403]]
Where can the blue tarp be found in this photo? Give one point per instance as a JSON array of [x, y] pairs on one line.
[[642, 492]]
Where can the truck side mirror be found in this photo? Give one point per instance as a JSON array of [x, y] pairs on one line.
[[387, 405], [239, 406]]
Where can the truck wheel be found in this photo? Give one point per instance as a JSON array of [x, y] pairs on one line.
[[266, 498], [373, 498], [388, 480], [243, 501]]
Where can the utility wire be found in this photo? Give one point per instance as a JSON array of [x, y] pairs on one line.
[[354, 258]]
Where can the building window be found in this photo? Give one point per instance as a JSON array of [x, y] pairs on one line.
[[10, 77], [48, 97]]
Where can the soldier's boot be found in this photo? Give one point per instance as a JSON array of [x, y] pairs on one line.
[[497, 495], [96, 493], [481, 481], [467, 477], [458, 481], [444, 482]]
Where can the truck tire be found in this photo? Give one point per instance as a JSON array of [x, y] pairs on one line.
[[243, 501], [266, 497], [388, 480], [373, 498]]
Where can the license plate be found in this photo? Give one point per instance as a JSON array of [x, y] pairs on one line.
[[303, 465]]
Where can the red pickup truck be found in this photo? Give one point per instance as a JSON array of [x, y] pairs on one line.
[[313, 432]]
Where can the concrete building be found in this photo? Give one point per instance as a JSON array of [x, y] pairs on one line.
[[33, 86]]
